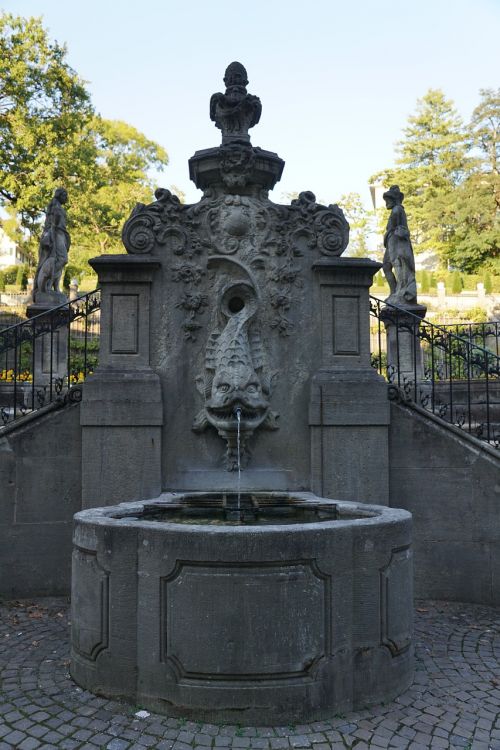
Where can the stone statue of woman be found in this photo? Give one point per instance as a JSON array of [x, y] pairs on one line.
[[399, 262], [53, 252]]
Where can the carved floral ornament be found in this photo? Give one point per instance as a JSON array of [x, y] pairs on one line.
[[269, 238]]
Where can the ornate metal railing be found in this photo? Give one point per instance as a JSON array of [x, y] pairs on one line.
[[43, 358], [485, 335], [444, 371]]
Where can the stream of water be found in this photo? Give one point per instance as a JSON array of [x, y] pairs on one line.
[[238, 419]]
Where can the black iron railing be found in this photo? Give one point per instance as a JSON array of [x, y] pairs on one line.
[[438, 367], [43, 358], [485, 335]]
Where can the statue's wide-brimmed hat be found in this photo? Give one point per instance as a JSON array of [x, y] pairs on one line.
[[395, 193]]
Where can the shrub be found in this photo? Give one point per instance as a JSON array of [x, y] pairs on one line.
[[488, 285], [424, 281], [456, 283], [10, 274]]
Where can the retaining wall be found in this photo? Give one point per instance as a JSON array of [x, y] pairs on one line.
[[450, 482], [40, 491]]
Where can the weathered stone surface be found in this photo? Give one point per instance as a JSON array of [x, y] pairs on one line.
[[40, 490], [399, 263], [450, 484], [236, 281], [53, 253], [235, 111], [122, 412], [243, 623]]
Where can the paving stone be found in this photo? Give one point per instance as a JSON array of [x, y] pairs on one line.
[[29, 744], [453, 702], [14, 738]]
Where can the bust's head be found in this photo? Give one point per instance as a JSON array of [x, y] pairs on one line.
[[235, 75]]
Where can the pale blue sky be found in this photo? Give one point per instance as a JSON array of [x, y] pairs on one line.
[[337, 80]]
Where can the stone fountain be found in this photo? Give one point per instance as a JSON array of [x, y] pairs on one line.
[[233, 399]]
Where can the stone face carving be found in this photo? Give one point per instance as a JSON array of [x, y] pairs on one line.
[[236, 111], [399, 262], [53, 252], [236, 163], [235, 377]]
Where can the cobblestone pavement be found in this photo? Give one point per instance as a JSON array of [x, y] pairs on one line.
[[454, 701]]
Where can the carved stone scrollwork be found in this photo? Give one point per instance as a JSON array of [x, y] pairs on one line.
[[149, 225], [324, 227]]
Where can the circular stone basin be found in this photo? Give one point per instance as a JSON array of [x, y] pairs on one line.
[[265, 608]]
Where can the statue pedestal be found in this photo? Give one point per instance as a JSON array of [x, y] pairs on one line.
[[404, 351], [50, 345], [349, 408]]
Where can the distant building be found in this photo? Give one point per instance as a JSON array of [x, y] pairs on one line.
[[377, 190], [10, 254]]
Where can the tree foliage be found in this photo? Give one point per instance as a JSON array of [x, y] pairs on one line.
[[476, 205], [359, 222], [50, 136], [448, 171], [116, 181]]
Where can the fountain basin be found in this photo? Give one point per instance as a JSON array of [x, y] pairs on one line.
[[291, 608]]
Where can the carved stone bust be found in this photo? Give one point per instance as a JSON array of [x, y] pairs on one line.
[[236, 111]]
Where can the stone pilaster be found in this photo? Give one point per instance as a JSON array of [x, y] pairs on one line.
[[349, 409], [121, 411]]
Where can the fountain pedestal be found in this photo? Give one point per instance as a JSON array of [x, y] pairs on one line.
[[290, 619]]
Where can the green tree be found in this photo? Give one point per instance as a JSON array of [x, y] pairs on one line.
[[432, 161], [359, 219], [117, 180], [476, 209], [43, 107], [50, 136]]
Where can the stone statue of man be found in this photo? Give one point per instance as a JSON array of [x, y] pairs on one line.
[[53, 251], [399, 262]]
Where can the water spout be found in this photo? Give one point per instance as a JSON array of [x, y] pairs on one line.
[[237, 412]]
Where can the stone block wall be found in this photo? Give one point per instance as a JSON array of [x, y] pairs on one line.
[[450, 482], [40, 491]]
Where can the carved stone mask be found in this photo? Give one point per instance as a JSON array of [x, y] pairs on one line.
[[236, 387]]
